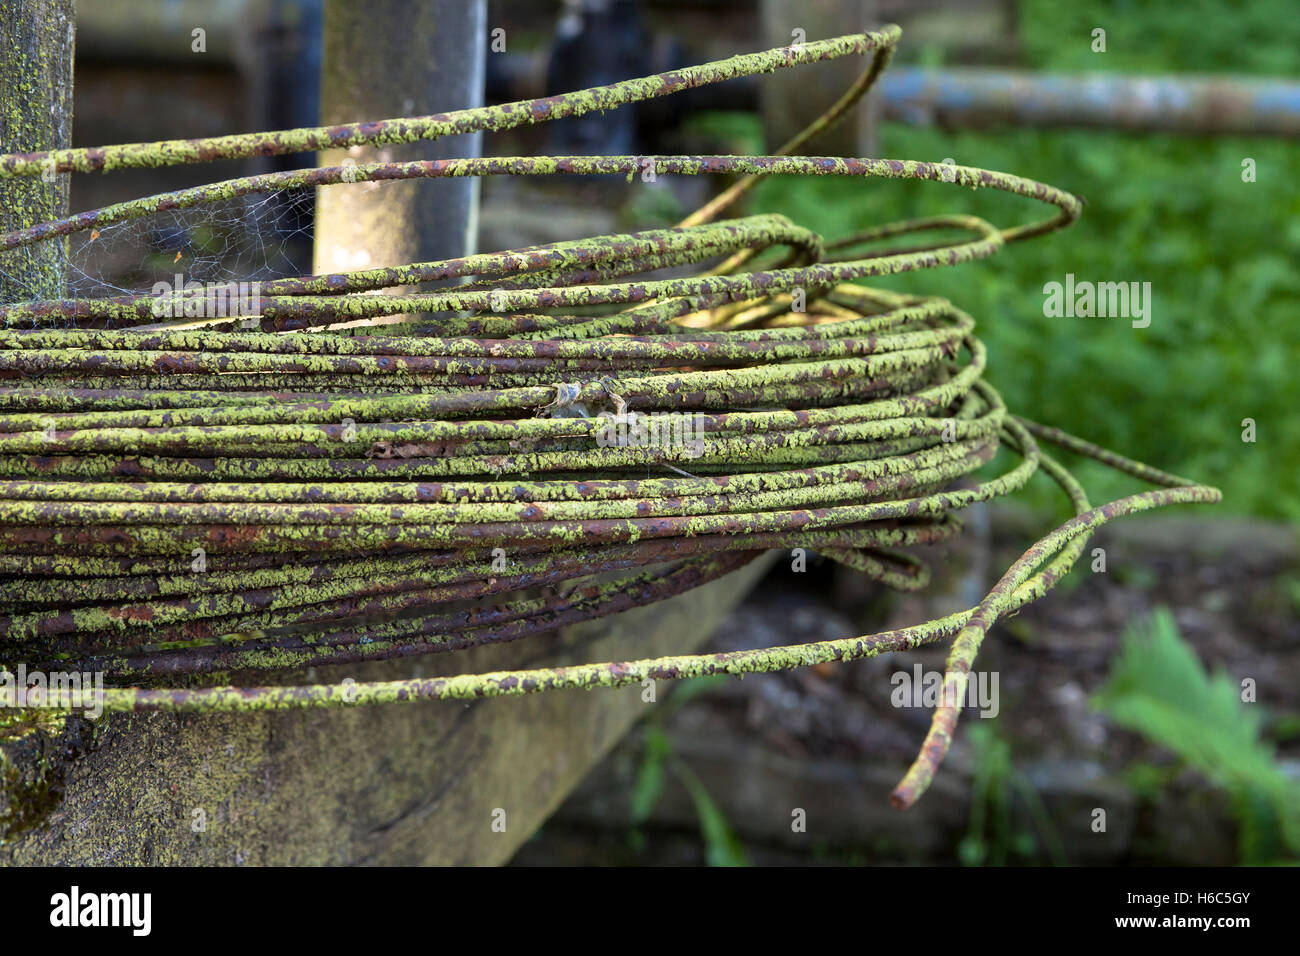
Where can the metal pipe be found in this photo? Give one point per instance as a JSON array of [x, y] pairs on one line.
[[1173, 104]]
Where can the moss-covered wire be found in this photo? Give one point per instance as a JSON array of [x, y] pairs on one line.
[[452, 482]]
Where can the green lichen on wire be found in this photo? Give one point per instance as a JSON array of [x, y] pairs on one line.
[[446, 482]]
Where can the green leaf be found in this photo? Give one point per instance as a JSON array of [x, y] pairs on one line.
[[1159, 688], [722, 848], [650, 776]]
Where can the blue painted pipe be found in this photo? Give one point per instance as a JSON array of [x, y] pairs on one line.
[[1182, 104]]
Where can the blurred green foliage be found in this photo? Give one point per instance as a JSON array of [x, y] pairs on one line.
[[1222, 255], [721, 845], [997, 834], [1158, 688], [1154, 36]]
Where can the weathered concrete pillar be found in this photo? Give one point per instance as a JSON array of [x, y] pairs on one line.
[[36, 53], [399, 58], [791, 99]]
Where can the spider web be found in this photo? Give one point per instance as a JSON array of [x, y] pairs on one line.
[[246, 238]]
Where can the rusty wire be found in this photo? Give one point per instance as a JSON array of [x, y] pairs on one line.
[[442, 483]]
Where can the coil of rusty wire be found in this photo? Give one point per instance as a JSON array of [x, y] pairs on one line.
[[346, 494]]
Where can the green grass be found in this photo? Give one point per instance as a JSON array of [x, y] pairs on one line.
[[1219, 255], [1159, 36]]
